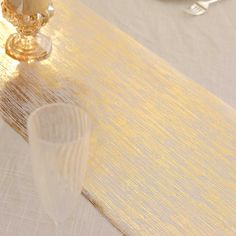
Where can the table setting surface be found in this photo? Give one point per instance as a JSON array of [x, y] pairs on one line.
[[162, 156], [205, 44], [21, 213]]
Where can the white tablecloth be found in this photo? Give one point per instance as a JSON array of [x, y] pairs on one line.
[[203, 48]]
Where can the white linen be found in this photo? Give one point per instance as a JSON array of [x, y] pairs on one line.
[[203, 48], [20, 209]]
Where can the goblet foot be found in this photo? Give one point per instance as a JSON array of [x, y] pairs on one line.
[[28, 48]]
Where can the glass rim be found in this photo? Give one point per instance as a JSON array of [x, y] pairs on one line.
[[32, 114]]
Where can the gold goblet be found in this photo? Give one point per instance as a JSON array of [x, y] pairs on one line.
[[27, 44]]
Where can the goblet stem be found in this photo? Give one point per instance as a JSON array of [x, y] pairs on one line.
[[27, 47]]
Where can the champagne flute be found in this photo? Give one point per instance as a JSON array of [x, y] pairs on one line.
[[59, 142]]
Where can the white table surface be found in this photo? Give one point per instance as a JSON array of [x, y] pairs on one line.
[[203, 48]]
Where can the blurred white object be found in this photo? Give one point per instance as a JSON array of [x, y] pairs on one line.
[[59, 142], [200, 7], [20, 209]]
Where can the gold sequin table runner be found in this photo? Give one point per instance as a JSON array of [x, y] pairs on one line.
[[162, 159]]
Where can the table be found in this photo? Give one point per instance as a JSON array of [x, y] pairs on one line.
[[206, 44], [21, 213], [160, 150]]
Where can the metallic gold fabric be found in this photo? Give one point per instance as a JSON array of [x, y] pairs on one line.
[[163, 150]]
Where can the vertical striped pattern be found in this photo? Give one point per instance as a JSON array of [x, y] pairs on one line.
[[59, 141]]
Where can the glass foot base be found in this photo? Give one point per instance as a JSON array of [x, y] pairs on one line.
[[28, 48]]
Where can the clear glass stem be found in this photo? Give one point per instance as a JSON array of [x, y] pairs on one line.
[[28, 47]]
